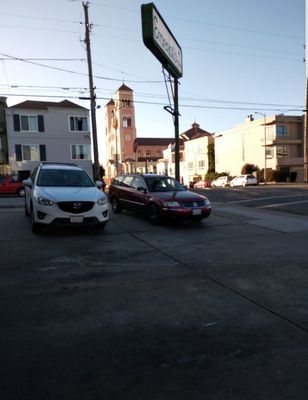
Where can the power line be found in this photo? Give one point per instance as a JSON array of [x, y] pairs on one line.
[[297, 108]]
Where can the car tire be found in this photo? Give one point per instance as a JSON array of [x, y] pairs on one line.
[[101, 227], [21, 192], [115, 205], [27, 214], [154, 214]]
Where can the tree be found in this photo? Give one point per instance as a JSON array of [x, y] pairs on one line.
[[249, 169], [211, 158]]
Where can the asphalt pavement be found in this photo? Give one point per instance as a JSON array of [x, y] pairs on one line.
[[216, 310]]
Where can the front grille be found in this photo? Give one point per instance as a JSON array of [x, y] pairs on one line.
[[67, 221], [76, 207], [193, 204]]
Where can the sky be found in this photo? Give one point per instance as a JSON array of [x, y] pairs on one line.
[[239, 57]]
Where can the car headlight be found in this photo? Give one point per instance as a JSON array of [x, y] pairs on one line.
[[207, 203], [45, 202], [171, 204], [103, 200]]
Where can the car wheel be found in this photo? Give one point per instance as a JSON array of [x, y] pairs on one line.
[[35, 227], [244, 184], [154, 214], [21, 192], [115, 205], [101, 227]]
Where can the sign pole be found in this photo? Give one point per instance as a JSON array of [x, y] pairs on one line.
[[176, 130]]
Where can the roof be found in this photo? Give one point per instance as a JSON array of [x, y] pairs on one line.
[[110, 103], [152, 142], [44, 105], [194, 132], [124, 87]]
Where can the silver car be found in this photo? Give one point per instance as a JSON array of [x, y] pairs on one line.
[[64, 194]]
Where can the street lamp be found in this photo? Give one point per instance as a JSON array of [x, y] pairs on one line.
[[264, 123]]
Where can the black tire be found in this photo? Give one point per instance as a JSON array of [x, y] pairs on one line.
[[26, 210], [101, 227], [154, 215], [21, 192], [115, 205]]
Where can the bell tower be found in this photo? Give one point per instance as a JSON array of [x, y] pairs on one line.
[[120, 130]]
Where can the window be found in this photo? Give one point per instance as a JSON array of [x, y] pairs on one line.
[[30, 152], [127, 138], [138, 183], [281, 130], [148, 153], [28, 123], [202, 164], [125, 103], [190, 165], [127, 122], [80, 151], [79, 124], [281, 151], [269, 152]]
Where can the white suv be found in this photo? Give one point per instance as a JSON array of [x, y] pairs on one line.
[[222, 181], [244, 180], [64, 194]]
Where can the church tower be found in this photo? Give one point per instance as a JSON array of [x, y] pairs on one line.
[[120, 131]]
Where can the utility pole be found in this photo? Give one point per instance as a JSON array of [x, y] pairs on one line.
[[88, 27], [306, 136], [306, 100]]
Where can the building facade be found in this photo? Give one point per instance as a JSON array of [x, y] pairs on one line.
[[120, 131], [274, 143], [47, 131]]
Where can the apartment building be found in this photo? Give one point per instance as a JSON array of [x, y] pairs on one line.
[[47, 131], [272, 142], [197, 153]]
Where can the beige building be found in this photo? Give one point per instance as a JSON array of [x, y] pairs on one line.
[[273, 142]]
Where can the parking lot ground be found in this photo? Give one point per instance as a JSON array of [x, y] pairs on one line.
[[216, 310]]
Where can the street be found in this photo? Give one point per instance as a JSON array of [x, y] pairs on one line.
[[215, 310]]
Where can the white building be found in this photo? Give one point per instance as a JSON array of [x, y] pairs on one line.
[[273, 142], [47, 131]]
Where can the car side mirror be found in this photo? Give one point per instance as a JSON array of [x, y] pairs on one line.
[[141, 189], [99, 184], [28, 182]]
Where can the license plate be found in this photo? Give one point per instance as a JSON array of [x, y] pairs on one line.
[[196, 212], [76, 220]]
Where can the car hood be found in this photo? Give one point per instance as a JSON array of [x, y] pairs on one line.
[[178, 196], [57, 194]]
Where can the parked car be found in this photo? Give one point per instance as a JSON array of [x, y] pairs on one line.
[[222, 181], [244, 180], [64, 194], [8, 185], [159, 197], [203, 184]]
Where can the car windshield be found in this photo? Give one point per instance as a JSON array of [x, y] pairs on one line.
[[163, 184], [64, 178]]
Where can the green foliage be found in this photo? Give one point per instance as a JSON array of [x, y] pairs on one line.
[[214, 175], [249, 169], [211, 158]]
